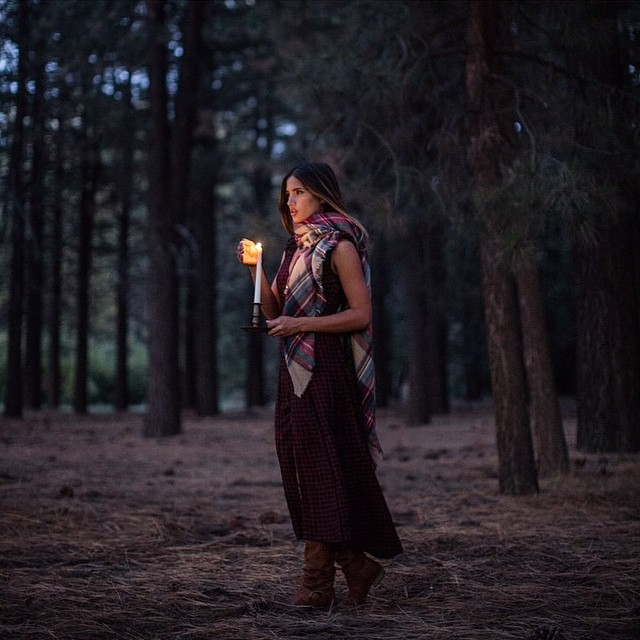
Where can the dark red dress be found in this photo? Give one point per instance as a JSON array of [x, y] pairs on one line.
[[328, 475]]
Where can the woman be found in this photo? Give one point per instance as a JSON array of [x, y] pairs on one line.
[[320, 306]]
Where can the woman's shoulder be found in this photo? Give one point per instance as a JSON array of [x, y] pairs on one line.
[[345, 255], [345, 245]]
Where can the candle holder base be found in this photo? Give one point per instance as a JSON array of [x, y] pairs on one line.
[[256, 328]]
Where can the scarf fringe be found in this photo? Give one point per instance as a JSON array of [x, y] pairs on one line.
[[300, 377]]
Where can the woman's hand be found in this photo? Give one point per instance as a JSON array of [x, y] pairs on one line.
[[284, 326], [247, 252]]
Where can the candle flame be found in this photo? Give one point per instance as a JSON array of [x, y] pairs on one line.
[[258, 246]]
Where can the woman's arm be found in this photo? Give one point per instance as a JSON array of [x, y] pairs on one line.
[[345, 261]]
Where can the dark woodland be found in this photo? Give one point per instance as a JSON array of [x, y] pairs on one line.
[[492, 150]]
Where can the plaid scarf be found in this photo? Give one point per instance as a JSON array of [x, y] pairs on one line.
[[305, 296]]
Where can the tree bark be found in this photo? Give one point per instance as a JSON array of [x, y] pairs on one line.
[[186, 110], [419, 409], [35, 255], [493, 146], [14, 393], [382, 334], [55, 286], [607, 266], [121, 399], [89, 172], [475, 375], [516, 468], [189, 360], [437, 373], [163, 395], [608, 388], [470, 335], [206, 304], [546, 417], [169, 174]]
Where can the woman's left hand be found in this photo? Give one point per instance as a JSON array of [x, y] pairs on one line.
[[246, 252], [283, 326]]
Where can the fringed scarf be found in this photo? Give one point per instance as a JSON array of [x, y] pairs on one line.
[[305, 296]]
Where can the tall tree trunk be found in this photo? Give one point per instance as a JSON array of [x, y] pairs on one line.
[[437, 374], [89, 172], [206, 278], [13, 397], [55, 285], [492, 146], [169, 172], [608, 346], [474, 373], [121, 399], [471, 343], [516, 468], [607, 278], [419, 339], [35, 255], [380, 285], [189, 360], [626, 350], [553, 456], [163, 395], [186, 111]]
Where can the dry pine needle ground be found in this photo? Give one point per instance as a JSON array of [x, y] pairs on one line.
[[105, 534]]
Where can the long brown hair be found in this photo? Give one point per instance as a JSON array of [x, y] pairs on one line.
[[321, 181]]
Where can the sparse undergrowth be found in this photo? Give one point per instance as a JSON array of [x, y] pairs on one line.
[[104, 534]]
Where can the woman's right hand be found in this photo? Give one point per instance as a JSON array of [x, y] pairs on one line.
[[247, 252]]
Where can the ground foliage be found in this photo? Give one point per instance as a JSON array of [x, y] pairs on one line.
[[105, 534]]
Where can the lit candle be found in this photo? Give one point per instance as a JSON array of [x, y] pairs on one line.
[[258, 286]]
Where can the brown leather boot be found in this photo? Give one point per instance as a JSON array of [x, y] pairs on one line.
[[317, 589], [361, 573]]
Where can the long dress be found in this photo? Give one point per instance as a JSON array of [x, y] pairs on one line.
[[328, 475]]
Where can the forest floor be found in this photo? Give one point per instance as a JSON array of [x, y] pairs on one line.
[[106, 534]]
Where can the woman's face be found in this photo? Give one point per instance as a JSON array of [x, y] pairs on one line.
[[302, 203]]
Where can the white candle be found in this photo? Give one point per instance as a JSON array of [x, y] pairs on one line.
[[258, 286]]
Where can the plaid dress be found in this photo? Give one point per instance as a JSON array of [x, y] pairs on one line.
[[329, 479]]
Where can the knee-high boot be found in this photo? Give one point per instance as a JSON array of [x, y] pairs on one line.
[[317, 589], [361, 573]]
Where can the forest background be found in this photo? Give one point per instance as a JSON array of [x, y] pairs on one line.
[[491, 149]]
